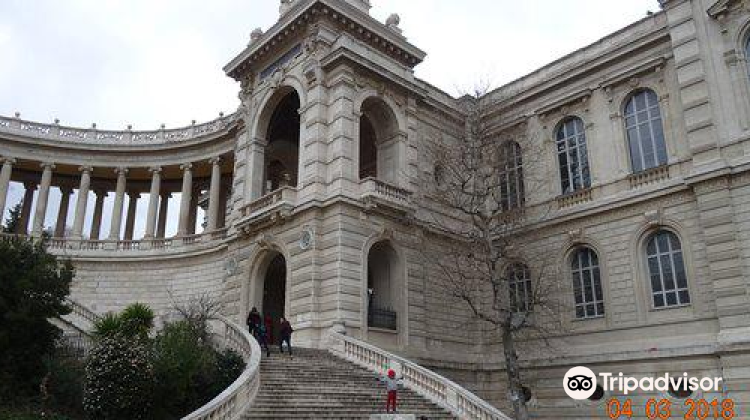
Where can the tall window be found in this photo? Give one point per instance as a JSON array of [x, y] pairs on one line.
[[666, 269], [573, 156], [511, 176], [519, 284], [645, 131], [587, 284]]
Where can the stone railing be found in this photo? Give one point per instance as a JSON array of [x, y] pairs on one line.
[[284, 196], [375, 191], [122, 137], [649, 176], [237, 399], [460, 402], [574, 198], [162, 244], [82, 311]]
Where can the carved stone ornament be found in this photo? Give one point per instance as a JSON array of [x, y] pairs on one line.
[[654, 217], [306, 238]]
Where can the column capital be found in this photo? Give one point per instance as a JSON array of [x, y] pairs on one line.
[[155, 169], [215, 160], [186, 167], [87, 169], [121, 170], [47, 165]]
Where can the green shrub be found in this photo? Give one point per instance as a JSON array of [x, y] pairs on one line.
[[229, 367], [119, 379], [63, 385], [137, 320], [33, 288], [109, 325]]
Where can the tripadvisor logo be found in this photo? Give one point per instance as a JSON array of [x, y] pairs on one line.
[[580, 383]]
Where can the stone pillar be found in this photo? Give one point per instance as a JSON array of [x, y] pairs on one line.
[[83, 201], [62, 213], [132, 207], [153, 202], [255, 177], [186, 200], [42, 198], [96, 225], [28, 199], [215, 195], [114, 231], [5, 182], [161, 232]]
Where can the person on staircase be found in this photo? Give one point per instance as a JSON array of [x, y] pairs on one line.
[[391, 385], [285, 335], [253, 321], [262, 337]]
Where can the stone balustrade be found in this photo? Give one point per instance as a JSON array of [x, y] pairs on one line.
[[648, 177], [15, 125], [376, 192], [58, 245], [235, 400], [460, 402], [283, 197]]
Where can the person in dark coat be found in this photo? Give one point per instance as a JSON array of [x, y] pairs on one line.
[[285, 332], [262, 336], [269, 328], [253, 321]]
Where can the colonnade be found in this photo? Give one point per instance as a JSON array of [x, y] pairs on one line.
[[158, 202]]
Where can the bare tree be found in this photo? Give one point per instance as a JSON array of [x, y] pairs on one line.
[[480, 184]]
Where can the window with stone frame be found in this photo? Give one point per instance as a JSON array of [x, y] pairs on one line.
[[520, 288], [572, 155], [511, 176], [666, 270], [587, 283], [645, 131]]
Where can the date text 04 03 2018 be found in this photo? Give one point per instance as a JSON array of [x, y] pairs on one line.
[[662, 409]]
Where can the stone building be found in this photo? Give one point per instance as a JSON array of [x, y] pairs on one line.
[[315, 207]]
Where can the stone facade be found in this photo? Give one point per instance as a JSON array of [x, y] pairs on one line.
[[344, 196]]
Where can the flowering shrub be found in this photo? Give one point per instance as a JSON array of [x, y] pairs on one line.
[[119, 379]]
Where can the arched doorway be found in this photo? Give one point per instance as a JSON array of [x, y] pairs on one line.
[[383, 278], [379, 146], [282, 150], [274, 295]]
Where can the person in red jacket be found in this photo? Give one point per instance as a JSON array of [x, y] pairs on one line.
[[391, 385], [285, 333]]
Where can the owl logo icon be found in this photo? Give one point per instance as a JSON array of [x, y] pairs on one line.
[[580, 383]]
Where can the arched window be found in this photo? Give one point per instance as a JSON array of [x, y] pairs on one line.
[[572, 156], [511, 176], [645, 132], [747, 52], [587, 284], [666, 270], [520, 288], [382, 278]]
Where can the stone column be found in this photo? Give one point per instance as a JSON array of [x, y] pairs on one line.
[[62, 213], [28, 199], [130, 222], [5, 182], [214, 195], [186, 200], [161, 232], [96, 225], [83, 200], [153, 202], [255, 178], [114, 231], [42, 198]]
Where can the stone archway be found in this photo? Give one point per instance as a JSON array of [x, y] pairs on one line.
[[274, 294]]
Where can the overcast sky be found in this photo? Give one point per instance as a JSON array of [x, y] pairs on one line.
[[147, 62]]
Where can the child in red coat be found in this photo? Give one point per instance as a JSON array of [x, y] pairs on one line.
[[391, 385]]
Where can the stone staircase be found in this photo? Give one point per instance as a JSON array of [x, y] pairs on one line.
[[315, 384]]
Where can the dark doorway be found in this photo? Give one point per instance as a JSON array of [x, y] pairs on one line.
[[274, 296], [282, 152]]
